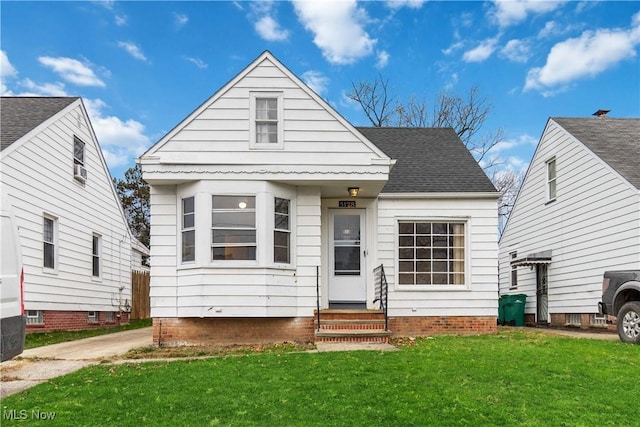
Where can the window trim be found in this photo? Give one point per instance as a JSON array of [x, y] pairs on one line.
[[96, 255], [76, 160], [513, 284], [466, 222], [256, 228], [282, 230], [53, 243], [93, 319], [38, 319], [253, 97], [184, 229], [550, 180]]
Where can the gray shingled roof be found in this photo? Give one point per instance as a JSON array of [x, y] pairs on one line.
[[428, 160], [616, 141], [19, 115]]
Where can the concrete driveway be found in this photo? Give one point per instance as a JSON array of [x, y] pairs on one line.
[[41, 364]]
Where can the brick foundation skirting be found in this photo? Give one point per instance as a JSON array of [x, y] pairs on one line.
[[435, 325], [172, 332], [74, 320]]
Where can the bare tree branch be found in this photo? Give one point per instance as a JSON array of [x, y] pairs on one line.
[[374, 99], [465, 114]]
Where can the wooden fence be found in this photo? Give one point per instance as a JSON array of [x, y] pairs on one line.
[[140, 301]]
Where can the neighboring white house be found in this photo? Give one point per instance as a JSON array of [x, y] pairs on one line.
[[576, 216], [254, 212], [76, 244]]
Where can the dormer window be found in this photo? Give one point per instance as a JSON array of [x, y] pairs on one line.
[[266, 120]]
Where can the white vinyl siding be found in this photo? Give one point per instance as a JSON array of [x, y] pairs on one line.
[[35, 173], [478, 296], [593, 227]]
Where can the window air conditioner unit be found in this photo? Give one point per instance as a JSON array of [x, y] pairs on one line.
[[79, 173]]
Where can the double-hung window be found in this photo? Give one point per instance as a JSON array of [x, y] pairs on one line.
[[78, 151], [79, 170], [96, 250], [233, 228], [188, 229], [282, 231], [551, 179], [266, 120], [49, 242], [514, 272], [431, 253]]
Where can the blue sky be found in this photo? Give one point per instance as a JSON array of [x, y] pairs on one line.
[[142, 67]]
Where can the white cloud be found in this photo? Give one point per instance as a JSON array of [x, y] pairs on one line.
[[316, 81], [197, 61], [338, 29], [511, 12], [383, 59], [133, 50], [121, 141], [482, 52], [44, 89], [516, 51], [181, 19], [72, 71], [6, 68], [456, 46], [121, 20], [411, 4], [588, 55], [270, 30]]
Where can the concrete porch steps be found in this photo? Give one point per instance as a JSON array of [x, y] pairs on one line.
[[351, 326]]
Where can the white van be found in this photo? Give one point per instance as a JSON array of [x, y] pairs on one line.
[[12, 319]]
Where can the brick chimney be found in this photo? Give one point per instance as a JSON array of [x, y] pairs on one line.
[[601, 113]]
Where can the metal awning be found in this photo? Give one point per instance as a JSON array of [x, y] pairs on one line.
[[532, 259]]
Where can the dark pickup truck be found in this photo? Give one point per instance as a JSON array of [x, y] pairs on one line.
[[621, 298]]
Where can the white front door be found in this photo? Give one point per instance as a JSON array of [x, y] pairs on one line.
[[347, 281]]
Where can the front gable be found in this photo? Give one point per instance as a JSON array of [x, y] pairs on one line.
[[219, 139]]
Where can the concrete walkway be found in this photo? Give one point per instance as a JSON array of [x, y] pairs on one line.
[[37, 365]]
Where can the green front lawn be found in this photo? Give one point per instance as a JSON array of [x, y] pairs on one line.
[[38, 339], [513, 378]]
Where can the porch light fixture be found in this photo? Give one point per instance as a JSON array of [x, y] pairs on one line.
[[353, 191]]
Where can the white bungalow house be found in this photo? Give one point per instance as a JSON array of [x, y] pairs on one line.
[[267, 205], [576, 216], [75, 242]]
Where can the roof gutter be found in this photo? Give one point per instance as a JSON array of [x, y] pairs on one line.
[[451, 195]]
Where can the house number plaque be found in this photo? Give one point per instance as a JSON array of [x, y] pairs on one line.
[[347, 204]]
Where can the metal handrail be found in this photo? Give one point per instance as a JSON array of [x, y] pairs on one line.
[[381, 292]]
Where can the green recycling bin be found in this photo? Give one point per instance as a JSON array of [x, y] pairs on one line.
[[511, 309]]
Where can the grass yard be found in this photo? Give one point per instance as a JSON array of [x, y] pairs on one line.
[[38, 339], [513, 378]]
